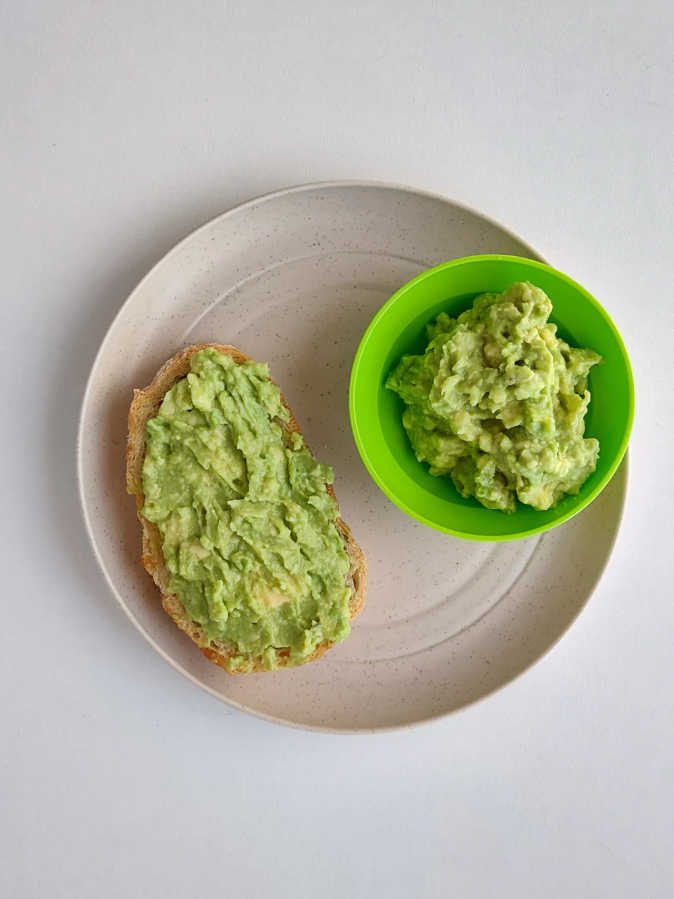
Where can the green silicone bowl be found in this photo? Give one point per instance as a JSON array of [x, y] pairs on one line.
[[398, 328]]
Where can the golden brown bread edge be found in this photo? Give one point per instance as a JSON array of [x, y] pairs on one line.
[[145, 406]]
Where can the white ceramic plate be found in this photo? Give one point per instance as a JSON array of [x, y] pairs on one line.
[[293, 279]]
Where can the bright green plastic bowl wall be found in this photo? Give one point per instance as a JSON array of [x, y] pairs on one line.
[[398, 328]]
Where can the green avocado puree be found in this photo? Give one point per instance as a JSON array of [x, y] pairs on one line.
[[248, 527], [497, 401]]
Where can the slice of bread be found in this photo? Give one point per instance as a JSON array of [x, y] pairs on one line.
[[145, 406]]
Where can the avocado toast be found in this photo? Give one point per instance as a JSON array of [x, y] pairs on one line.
[[241, 528]]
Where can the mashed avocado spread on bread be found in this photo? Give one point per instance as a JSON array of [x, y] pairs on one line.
[[497, 401], [246, 520]]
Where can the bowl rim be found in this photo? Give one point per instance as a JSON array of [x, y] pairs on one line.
[[353, 415]]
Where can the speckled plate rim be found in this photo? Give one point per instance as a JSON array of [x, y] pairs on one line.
[[260, 200]]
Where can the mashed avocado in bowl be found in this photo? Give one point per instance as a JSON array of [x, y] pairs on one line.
[[470, 397], [497, 401]]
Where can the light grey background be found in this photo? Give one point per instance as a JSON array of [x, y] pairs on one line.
[[123, 126]]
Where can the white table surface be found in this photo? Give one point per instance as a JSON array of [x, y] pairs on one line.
[[123, 126]]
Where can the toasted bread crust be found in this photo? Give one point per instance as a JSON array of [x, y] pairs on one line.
[[145, 406]]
